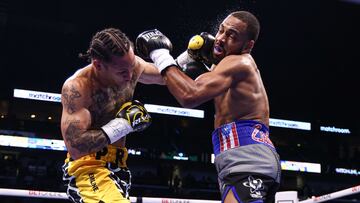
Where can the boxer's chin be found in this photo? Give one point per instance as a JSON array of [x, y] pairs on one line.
[[218, 53], [218, 56]]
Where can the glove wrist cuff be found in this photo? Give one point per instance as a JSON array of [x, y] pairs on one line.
[[183, 59], [162, 59], [116, 129]]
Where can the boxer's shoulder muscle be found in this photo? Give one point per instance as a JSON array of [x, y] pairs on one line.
[[74, 95], [234, 64]]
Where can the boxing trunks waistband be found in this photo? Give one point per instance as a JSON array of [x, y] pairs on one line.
[[240, 133], [109, 154]]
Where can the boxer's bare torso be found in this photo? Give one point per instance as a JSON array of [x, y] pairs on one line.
[[246, 99], [99, 107], [91, 99]]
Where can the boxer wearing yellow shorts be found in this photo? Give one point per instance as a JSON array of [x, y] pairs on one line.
[[93, 128], [98, 177]]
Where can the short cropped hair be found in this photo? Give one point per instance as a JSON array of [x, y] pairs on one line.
[[253, 25], [108, 42]]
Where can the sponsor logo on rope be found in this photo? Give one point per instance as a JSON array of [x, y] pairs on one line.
[[174, 201], [45, 193], [355, 189], [323, 197]]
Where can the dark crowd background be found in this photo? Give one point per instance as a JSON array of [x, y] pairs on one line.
[[307, 53]]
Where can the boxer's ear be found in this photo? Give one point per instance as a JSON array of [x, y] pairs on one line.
[[97, 64], [248, 46]]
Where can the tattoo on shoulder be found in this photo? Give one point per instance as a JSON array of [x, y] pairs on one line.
[[69, 95]]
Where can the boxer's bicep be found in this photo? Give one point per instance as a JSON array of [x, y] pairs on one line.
[[74, 125], [190, 93], [211, 84], [75, 119], [229, 71]]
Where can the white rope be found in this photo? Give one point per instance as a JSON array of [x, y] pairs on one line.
[[32, 193], [62, 195], [334, 195]]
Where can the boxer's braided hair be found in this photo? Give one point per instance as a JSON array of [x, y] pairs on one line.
[[106, 43]]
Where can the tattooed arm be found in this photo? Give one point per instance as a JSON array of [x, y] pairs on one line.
[[80, 140]]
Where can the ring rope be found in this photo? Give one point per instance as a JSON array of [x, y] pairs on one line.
[[334, 195], [62, 195]]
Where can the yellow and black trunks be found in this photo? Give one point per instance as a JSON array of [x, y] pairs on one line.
[[99, 177]]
